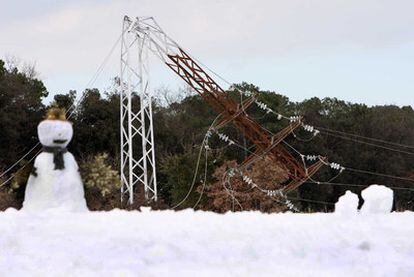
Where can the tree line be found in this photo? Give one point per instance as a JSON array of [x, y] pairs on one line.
[[181, 120]]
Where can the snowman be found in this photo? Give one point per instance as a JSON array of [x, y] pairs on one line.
[[55, 182]]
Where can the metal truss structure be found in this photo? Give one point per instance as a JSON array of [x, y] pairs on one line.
[[195, 76], [137, 136]]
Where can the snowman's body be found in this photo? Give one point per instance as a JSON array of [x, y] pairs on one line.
[[55, 182]]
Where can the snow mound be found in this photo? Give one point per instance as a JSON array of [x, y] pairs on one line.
[[347, 204], [188, 243], [377, 200]]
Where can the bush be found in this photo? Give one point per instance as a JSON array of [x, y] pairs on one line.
[[20, 177], [102, 182], [99, 175], [8, 196], [103, 186]]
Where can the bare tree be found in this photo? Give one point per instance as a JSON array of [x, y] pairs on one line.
[[167, 97], [29, 70], [11, 62]]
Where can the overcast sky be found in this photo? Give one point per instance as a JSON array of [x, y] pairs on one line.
[[361, 51]]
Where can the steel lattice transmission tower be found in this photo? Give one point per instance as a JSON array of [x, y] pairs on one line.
[[137, 136]]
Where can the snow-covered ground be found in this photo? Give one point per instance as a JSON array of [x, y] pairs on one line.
[[189, 243]]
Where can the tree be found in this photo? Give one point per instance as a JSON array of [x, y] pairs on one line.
[[21, 110], [65, 101], [96, 125]]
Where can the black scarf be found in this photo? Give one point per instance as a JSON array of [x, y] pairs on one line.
[[57, 155]]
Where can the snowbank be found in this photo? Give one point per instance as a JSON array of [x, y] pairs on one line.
[[377, 199], [192, 243], [347, 204]]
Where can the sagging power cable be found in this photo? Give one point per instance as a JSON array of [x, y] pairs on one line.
[[69, 112]]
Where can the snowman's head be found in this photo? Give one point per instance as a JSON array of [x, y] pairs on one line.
[[55, 130]]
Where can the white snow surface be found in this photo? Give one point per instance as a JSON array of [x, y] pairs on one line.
[[347, 204], [188, 243], [377, 199]]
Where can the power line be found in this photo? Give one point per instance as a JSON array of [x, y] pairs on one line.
[[91, 82], [330, 132], [95, 76], [279, 115], [356, 185], [379, 174], [346, 168], [204, 181], [367, 138], [17, 162], [21, 168], [326, 130], [311, 201], [205, 139], [194, 177], [367, 143], [362, 171], [232, 142]]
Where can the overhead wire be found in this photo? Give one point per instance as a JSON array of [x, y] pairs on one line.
[[17, 162], [310, 200], [367, 143], [379, 174], [365, 171], [296, 136], [95, 76], [204, 181], [326, 130], [231, 142], [90, 82], [330, 181], [364, 137], [334, 133], [223, 79], [230, 191], [194, 177], [203, 144], [20, 169], [362, 171], [345, 167], [356, 185]]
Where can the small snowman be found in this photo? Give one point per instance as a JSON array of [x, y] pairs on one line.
[[55, 182]]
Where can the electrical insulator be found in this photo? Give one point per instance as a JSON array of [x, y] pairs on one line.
[[337, 166], [311, 157]]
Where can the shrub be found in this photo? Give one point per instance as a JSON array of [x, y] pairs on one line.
[[20, 177], [98, 175], [103, 186]]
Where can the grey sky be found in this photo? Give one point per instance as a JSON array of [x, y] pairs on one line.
[[361, 51]]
